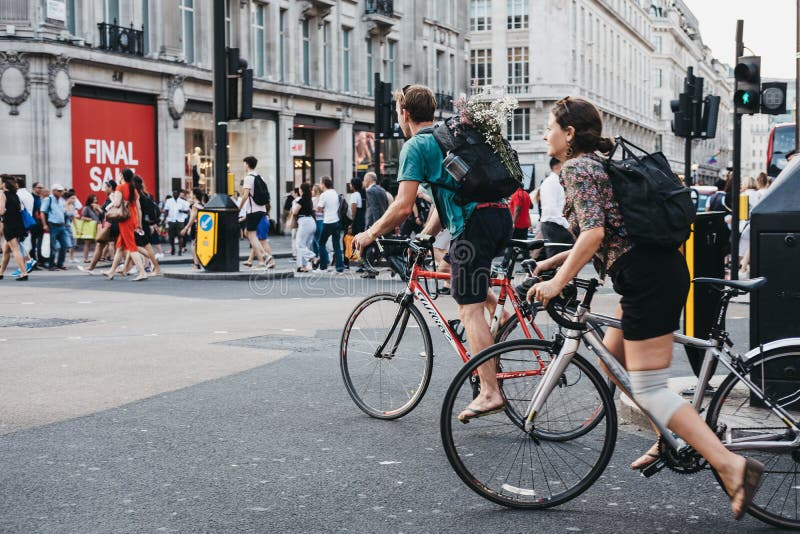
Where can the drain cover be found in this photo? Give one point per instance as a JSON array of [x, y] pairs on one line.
[[38, 322]]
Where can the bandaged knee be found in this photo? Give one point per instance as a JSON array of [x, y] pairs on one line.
[[650, 391]]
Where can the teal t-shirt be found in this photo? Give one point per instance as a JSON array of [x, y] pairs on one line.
[[421, 161]]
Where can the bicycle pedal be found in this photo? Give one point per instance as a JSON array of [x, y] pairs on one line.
[[653, 468]]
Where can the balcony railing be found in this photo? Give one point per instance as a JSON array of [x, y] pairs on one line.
[[380, 7], [121, 39], [444, 101], [521, 89]]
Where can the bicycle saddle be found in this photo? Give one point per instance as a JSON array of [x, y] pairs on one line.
[[741, 285], [526, 244]]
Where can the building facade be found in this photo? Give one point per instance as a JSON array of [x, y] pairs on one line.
[[678, 45], [92, 86], [543, 50]]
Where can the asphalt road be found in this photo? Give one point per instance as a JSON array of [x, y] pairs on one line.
[[279, 446]]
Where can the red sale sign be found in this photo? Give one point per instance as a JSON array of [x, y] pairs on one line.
[[107, 137]]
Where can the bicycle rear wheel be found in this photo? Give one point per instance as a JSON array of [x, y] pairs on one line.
[[497, 459], [737, 415], [389, 383]]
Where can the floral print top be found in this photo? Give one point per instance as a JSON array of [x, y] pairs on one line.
[[590, 203]]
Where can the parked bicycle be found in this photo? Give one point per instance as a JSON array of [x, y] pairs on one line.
[[386, 352], [531, 465]]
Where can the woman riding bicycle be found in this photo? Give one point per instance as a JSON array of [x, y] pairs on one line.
[[653, 283]]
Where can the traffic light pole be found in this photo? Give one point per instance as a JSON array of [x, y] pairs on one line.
[[687, 170], [220, 101], [737, 168]]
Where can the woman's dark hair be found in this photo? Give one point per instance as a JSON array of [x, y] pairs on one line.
[[197, 193], [584, 117], [358, 186], [305, 190], [305, 198], [128, 176], [112, 184], [91, 199], [68, 195], [10, 181]]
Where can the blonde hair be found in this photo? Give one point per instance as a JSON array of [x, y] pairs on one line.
[[748, 183], [316, 190]]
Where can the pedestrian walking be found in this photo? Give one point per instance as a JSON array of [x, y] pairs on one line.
[[26, 198], [316, 191], [328, 209], [377, 204], [13, 227], [255, 209], [190, 230], [303, 212], [653, 282], [71, 212], [91, 212], [552, 224], [53, 217], [107, 232], [175, 208], [125, 194]]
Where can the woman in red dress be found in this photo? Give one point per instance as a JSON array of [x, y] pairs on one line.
[[126, 242]]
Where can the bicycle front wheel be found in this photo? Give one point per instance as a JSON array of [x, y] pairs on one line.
[[386, 356], [497, 459], [737, 415]]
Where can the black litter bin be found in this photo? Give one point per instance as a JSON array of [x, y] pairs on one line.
[[775, 254], [705, 253], [218, 235]]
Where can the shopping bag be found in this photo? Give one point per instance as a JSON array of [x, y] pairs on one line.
[[85, 229], [27, 219], [46, 245]]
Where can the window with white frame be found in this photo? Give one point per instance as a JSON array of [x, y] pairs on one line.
[[258, 40], [306, 52], [481, 66], [480, 15], [111, 12], [388, 75], [438, 72], [518, 69], [282, 44], [659, 80], [346, 59], [326, 55], [370, 67], [228, 28], [187, 29], [518, 126], [517, 14]]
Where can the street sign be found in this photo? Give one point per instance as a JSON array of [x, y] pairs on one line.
[[298, 147], [206, 236], [773, 98]]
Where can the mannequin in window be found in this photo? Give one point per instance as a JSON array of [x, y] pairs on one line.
[[194, 164]]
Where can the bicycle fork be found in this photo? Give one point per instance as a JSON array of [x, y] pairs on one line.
[[551, 377]]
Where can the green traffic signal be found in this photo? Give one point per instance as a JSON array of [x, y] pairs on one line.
[[746, 98]]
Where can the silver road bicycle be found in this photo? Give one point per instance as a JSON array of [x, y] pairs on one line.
[[566, 434]]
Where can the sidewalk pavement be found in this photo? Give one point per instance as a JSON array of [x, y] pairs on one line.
[[281, 246]]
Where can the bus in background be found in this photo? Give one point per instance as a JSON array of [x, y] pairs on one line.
[[781, 141]]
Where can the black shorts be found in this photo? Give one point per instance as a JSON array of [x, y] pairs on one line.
[[654, 284], [485, 237], [252, 220]]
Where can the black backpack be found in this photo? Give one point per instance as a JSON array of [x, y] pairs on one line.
[[344, 220], [480, 172], [656, 207], [260, 192], [150, 211]]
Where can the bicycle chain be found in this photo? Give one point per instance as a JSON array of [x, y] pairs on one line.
[[684, 462]]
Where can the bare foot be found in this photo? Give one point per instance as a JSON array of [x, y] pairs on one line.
[[482, 405], [646, 459], [732, 477]]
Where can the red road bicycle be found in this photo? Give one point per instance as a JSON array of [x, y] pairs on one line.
[[386, 353]]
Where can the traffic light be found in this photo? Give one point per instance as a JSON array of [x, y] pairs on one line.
[[747, 94], [773, 98], [240, 86], [682, 115], [384, 125], [708, 123]]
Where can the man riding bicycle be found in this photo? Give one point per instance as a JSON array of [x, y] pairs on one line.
[[480, 231]]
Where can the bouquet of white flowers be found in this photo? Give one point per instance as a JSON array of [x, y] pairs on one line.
[[488, 115]]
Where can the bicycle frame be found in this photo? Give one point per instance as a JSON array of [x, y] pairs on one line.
[[713, 351]]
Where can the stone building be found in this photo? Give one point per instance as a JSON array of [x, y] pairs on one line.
[[678, 45], [542, 50], [92, 86]]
